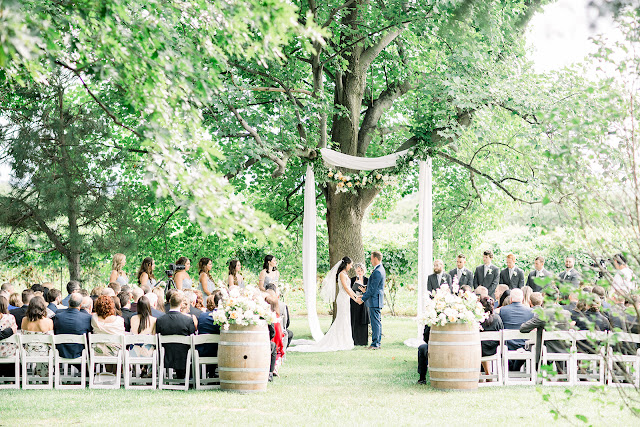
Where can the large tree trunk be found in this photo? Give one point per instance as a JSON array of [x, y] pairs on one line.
[[73, 262], [345, 212]]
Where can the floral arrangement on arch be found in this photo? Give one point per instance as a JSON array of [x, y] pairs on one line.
[[446, 306], [242, 307], [363, 179]]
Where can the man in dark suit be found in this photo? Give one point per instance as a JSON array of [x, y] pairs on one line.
[[373, 297], [512, 276], [127, 313], [176, 323], [72, 321], [465, 276], [20, 312], [72, 286], [539, 272], [206, 326], [487, 274], [423, 356], [554, 318], [54, 297], [570, 275], [513, 316], [439, 277]]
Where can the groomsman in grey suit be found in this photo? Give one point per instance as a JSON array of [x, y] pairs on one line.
[[487, 274], [465, 276], [439, 277], [570, 274], [512, 276], [539, 272]]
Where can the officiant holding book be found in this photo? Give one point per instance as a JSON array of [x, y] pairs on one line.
[[359, 312]]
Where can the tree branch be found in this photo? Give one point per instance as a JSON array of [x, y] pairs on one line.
[[374, 50], [163, 224]]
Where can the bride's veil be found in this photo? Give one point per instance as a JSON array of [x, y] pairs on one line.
[[328, 290]]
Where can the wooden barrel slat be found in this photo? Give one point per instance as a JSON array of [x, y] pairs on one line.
[[244, 357], [454, 356]]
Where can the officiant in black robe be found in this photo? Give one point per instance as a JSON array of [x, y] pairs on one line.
[[359, 312]]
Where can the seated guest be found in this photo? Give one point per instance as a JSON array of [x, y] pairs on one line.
[[35, 322], [199, 300], [126, 312], [118, 307], [167, 295], [526, 295], [15, 301], [21, 312], [72, 286], [143, 323], [116, 287], [500, 289], [96, 292], [6, 295], [8, 288], [53, 298], [108, 292], [105, 321], [554, 317], [439, 277], [423, 356], [464, 275], [512, 276], [537, 275], [8, 327], [513, 316], [505, 299], [159, 293], [536, 299], [84, 292], [153, 301], [492, 323], [135, 296], [176, 323], [73, 321], [192, 299], [482, 292], [487, 274], [87, 305], [206, 326]]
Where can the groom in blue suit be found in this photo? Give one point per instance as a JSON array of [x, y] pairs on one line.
[[373, 297]]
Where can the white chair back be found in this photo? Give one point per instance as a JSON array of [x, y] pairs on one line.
[[14, 381], [36, 360], [202, 382], [65, 366]]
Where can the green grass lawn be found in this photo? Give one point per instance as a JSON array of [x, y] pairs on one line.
[[359, 387]]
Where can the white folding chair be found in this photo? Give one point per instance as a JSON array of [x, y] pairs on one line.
[[35, 381], [624, 366], [555, 359], [105, 380], [64, 369], [14, 381], [589, 367], [528, 356], [495, 361], [202, 382], [133, 362], [166, 380]]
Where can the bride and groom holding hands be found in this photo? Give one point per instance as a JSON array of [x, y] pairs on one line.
[[339, 337]]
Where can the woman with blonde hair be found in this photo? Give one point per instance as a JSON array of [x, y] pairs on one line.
[[117, 274], [526, 292]]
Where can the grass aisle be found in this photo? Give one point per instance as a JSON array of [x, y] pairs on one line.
[[359, 387]]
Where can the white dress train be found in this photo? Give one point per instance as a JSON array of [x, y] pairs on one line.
[[338, 337]]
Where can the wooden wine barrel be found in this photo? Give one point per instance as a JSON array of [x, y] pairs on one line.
[[244, 357], [454, 356]]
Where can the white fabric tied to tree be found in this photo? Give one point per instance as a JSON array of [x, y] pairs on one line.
[[309, 254], [341, 160]]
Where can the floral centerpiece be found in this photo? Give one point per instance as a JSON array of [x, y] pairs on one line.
[[242, 307], [446, 306]]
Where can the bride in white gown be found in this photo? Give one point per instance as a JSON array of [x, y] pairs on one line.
[[338, 337]]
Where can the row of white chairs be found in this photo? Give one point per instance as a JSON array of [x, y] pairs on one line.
[[64, 373], [605, 365]]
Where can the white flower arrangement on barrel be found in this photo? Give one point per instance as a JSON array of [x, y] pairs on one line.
[[447, 306], [242, 307]]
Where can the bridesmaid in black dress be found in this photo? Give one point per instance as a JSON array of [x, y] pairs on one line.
[[359, 312]]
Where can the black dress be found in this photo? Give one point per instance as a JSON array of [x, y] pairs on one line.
[[489, 348], [359, 317]]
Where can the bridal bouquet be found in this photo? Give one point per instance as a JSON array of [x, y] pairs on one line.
[[446, 307], [242, 307]]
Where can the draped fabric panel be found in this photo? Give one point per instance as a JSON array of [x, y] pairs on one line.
[[309, 254], [334, 158]]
